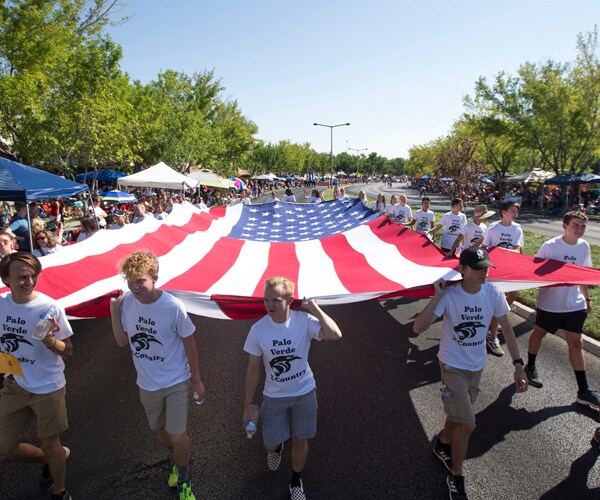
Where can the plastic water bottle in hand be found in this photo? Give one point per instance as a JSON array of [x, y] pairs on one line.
[[44, 325], [252, 425], [196, 398]]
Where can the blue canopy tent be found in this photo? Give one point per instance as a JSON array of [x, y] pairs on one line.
[[573, 180], [21, 183], [104, 175]]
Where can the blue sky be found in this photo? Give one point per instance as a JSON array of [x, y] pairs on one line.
[[396, 70]]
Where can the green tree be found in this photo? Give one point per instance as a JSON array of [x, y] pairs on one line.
[[552, 109], [47, 49]]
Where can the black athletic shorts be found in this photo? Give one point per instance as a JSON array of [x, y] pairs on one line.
[[570, 321]]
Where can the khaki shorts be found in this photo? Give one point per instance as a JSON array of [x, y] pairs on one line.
[[18, 407], [168, 407], [463, 388]]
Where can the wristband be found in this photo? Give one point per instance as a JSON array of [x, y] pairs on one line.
[[518, 361]]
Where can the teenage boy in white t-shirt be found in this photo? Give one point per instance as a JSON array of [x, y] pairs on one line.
[[41, 389], [160, 334], [467, 309], [424, 218], [281, 340], [507, 234], [565, 307], [452, 222], [472, 232]]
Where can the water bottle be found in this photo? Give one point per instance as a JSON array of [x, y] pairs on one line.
[[251, 426], [196, 398], [43, 326], [445, 390]]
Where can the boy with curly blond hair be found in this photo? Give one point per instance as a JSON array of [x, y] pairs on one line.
[[156, 327]]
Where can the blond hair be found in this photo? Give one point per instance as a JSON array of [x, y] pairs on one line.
[[288, 285], [139, 264]]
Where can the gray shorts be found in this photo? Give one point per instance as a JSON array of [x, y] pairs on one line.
[[168, 407], [286, 417]]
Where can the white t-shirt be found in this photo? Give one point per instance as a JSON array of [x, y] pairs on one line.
[[403, 213], [467, 317], [452, 225], [155, 332], [564, 298], [271, 200], [41, 252], [101, 216], [314, 199], [290, 198], [424, 220], [43, 370], [378, 207], [391, 210], [472, 232], [246, 201], [84, 236], [284, 350], [508, 237]]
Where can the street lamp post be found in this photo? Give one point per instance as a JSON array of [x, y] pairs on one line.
[[357, 157], [331, 127]]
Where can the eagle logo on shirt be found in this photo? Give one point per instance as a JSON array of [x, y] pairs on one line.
[[10, 342], [282, 364], [454, 228], [142, 341], [505, 244], [423, 225], [468, 329]]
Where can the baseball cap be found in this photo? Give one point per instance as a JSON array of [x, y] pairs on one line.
[[475, 258]]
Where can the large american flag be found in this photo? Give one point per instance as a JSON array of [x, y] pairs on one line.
[[216, 261]]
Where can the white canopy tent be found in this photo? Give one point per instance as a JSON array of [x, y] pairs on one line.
[[208, 178], [158, 176], [530, 176]]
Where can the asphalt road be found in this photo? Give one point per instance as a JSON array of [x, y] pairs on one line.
[[378, 392]]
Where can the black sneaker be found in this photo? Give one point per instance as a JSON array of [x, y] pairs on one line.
[[456, 487], [297, 492], [533, 377], [63, 496], [46, 481], [443, 453], [588, 398]]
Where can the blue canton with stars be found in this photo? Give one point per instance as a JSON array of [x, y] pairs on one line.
[[292, 222]]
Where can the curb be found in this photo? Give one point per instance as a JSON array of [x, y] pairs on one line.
[[589, 344]]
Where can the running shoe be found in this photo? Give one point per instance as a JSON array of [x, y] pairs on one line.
[[297, 492], [533, 377], [173, 477], [456, 487], [64, 496], [46, 481], [440, 452], [589, 398], [274, 459], [493, 346], [185, 491]]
